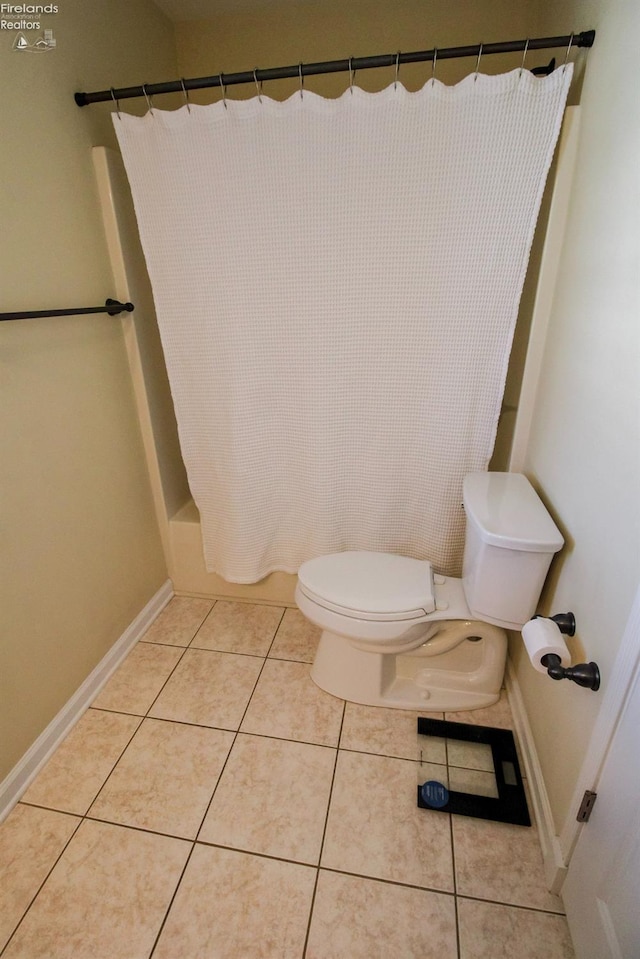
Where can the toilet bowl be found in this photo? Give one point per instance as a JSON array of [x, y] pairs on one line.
[[396, 634], [428, 652]]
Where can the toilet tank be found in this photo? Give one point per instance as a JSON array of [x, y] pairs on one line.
[[509, 545]]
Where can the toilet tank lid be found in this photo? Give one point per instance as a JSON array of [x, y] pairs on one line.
[[370, 582], [506, 511]]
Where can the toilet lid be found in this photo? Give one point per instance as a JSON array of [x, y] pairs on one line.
[[367, 582]]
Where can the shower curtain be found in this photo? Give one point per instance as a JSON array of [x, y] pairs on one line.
[[337, 284]]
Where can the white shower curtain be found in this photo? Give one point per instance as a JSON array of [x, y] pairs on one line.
[[337, 284]]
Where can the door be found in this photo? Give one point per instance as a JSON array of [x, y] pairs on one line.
[[601, 889]]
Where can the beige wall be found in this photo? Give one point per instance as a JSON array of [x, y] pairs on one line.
[[584, 451], [80, 549]]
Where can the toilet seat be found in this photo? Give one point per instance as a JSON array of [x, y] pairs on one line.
[[370, 586]]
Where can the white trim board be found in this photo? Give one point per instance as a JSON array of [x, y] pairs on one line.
[[25, 771], [558, 849], [555, 866]]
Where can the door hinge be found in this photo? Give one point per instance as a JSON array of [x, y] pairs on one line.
[[587, 804]]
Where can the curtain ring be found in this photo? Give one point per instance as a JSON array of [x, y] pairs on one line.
[[566, 56], [433, 65], [113, 97], [148, 98], [186, 95], [301, 80], [224, 92], [395, 82], [526, 47], [478, 63], [352, 74], [258, 86]]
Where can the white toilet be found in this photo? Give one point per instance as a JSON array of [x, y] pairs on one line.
[[397, 634]]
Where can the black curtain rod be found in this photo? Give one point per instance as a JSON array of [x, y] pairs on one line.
[[584, 39], [112, 307]]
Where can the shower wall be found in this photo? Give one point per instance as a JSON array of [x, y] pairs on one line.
[[142, 339]]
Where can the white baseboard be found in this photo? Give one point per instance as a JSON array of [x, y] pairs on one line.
[[555, 867], [25, 771]]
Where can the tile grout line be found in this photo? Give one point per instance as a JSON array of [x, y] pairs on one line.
[[430, 762], [82, 817], [40, 887], [142, 719], [171, 901], [324, 832], [300, 862], [453, 860], [515, 905], [85, 817], [131, 738], [153, 642], [455, 885], [236, 732], [217, 783], [219, 777], [388, 882]]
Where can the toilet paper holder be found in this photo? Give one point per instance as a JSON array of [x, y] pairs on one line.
[[584, 674]]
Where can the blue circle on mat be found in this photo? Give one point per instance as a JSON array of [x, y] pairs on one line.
[[435, 794]]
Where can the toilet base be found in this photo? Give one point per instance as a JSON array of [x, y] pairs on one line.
[[467, 677]]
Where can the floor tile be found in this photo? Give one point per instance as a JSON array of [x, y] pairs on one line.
[[495, 860], [489, 931], [107, 879], [30, 842], [232, 905], [364, 919], [287, 704], [239, 628], [272, 799], [179, 621], [72, 778], [498, 715], [263, 806], [297, 639], [136, 683], [388, 732], [209, 688], [165, 779], [376, 829]]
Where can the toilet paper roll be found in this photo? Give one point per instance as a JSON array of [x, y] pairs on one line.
[[541, 637]]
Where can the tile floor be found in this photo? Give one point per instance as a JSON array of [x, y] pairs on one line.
[[215, 804]]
